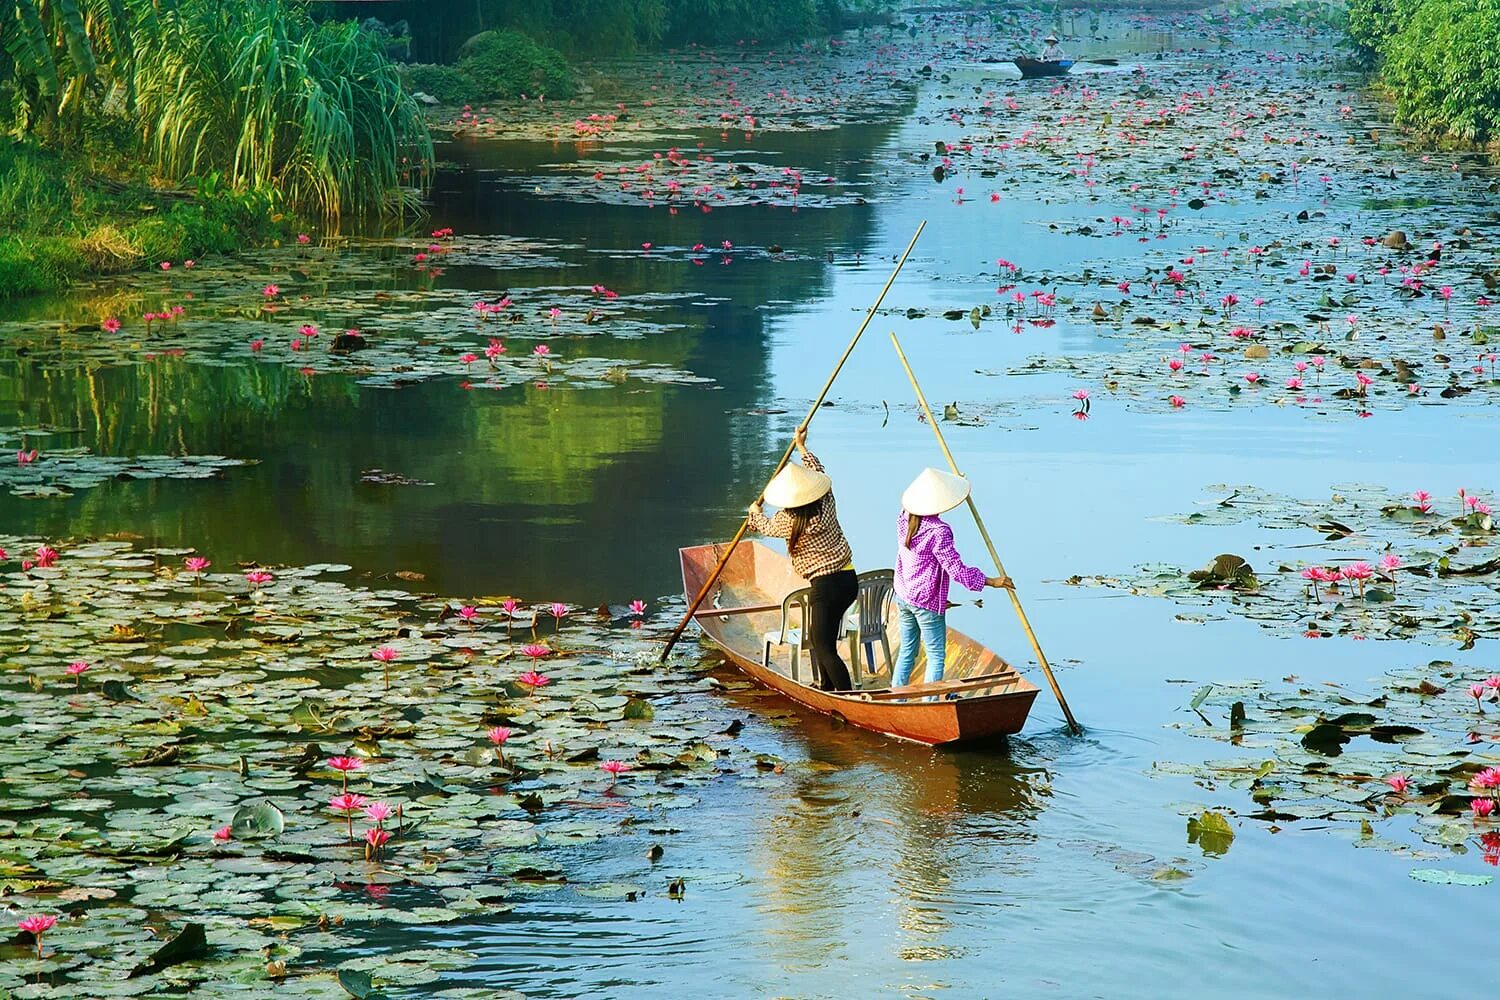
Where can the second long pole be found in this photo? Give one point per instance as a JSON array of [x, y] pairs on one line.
[[1015, 599]]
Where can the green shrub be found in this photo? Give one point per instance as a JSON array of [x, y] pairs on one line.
[[1443, 67], [449, 84], [508, 64], [1373, 22], [724, 22], [27, 268]]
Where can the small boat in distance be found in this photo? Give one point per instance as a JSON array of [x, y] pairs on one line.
[[981, 696], [1033, 68]]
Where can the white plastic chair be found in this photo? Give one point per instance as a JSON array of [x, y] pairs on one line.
[[864, 625], [796, 638], [867, 620]]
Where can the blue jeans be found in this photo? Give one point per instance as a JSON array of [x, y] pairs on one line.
[[932, 628]]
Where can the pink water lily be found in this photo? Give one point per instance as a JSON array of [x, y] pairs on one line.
[[533, 680], [1482, 808], [1486, 780], [1399, 783], [76, 670], [615, 768], [257, 577], [36, 926], [379, 812], [386, 655], [224, 834], [343, 765], [348, 804], [196, 564], [375, 841], [637, 607]]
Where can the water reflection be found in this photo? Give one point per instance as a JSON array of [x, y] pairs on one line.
[[543, 492]]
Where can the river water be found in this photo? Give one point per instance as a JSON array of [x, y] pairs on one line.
[[1053, 866]]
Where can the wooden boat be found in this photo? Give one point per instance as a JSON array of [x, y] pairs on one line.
[[980, 697], [1033, 68]]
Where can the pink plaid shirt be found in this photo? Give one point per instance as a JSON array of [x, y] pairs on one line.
[[924, 569]]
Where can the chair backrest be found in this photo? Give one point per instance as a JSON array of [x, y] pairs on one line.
[[875, 590], [797, 601]]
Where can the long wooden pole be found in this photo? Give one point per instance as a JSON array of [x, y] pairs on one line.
[[745, 524], [1015, 598]]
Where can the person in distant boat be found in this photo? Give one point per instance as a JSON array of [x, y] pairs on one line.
[[809, 522], [1052, 53], [926, 561]]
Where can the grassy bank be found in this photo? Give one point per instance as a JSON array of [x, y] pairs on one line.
[[67, 219], [142, 131], [1437, 59]]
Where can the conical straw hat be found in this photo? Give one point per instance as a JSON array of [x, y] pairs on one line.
[[796, 485], [934, 492], [1050, 38]]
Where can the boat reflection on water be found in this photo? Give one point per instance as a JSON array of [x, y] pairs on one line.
[[876, 846]]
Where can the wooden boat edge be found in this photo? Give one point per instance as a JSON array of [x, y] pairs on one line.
[[930, 723]]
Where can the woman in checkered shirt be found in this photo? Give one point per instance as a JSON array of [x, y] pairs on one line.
[[809, 522]]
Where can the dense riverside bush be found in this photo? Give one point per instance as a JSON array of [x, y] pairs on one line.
[[1439, 58], [509, 64]]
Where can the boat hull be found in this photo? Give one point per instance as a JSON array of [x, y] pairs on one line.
[[1036, 68], [989, 698]]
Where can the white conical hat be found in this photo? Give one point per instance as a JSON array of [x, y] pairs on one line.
[[934, 492], [796, 485]]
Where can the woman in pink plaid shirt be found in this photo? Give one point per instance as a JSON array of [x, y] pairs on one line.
[[926, 561]]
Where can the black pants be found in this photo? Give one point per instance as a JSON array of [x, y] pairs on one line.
[[831, 596]]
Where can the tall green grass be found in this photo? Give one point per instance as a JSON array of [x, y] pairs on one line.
[[257, 90]]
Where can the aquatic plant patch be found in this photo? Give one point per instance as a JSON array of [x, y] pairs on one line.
[[681, 180], [214, 777], [1266, 242], [41, 471], [362, 312], [664, 100], [1363, 563], [1411, 766]]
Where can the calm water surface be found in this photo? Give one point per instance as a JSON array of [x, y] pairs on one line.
[[869, 868]]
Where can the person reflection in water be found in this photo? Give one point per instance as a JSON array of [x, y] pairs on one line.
[[809, 522]]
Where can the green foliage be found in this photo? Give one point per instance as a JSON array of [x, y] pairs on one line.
[[49, 56], [253, 89], [1373, 22], [272, 99], [67, 222], [592, 27], [1443, 66], [449, 84], [509, 64], [719, 22]]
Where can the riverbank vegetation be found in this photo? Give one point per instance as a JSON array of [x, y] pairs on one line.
[[122, 112], [1437, 59], [504, 49]]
